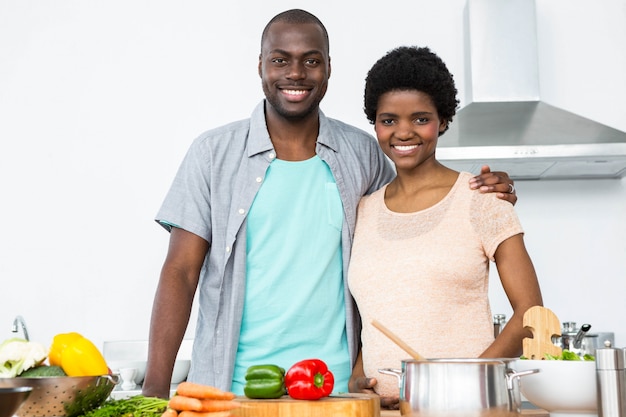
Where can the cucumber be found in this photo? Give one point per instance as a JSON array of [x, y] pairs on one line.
[[43, 371]]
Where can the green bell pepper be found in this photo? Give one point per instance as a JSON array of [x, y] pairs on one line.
[[265, 381]]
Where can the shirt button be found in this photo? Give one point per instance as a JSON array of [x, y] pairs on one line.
[[272, 155], [241, 211], [227, 249], [259, 179]]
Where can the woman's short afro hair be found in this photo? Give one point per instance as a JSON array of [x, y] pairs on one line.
[[411, 68]]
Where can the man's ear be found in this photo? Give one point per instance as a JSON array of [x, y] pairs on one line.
[[329, 67], [260, 66]]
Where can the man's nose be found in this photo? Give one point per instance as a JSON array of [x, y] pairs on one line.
[[296, 71]]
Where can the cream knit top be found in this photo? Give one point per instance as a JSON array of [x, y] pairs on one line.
[[424, 275]]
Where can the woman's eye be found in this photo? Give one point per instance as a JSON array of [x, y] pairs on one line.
[[386, 122], [421, 120]]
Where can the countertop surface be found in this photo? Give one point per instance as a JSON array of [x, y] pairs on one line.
[[535, 413]]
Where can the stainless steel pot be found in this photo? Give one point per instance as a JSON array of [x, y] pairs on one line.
[[458, 387]]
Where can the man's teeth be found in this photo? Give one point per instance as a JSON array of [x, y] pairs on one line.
[[295, 92], [405, 147]]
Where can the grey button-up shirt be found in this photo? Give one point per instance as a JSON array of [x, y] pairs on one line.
[[210, 197]]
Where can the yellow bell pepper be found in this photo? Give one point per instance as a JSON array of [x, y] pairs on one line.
[[77, 355]]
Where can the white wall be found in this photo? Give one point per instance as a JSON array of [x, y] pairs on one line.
[[576, 236], [100, 100]]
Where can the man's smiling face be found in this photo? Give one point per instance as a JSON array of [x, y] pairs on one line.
[[294, 67]]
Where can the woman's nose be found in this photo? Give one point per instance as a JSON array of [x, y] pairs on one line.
[[404, 130]]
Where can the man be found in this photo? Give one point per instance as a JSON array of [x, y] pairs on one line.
[[261, 215]]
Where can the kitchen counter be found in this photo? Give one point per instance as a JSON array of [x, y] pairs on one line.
[[535, 413]]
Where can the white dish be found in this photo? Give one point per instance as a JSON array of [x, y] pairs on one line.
[[140, 366], [563, 388], [181, 369], [134, 354]]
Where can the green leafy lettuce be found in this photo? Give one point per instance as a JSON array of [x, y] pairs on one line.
[[566, 355]]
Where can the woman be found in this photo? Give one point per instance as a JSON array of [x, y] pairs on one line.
[[422, 246]]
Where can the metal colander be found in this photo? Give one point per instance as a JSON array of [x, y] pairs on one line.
[[62, 396]]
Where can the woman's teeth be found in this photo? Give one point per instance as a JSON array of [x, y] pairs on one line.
[[405, 147]]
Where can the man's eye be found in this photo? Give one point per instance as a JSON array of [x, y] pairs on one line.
[[311, 61], [279, 60]]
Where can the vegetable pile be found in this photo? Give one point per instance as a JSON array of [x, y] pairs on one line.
[[69, 355], [190, 400], [309, 379], [197, 400]]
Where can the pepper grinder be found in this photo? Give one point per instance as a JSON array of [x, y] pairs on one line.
[[611, 382], [499, 320]]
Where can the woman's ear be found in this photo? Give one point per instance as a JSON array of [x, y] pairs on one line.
[[443, 126]]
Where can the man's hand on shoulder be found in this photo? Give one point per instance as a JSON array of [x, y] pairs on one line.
[[494, 182]]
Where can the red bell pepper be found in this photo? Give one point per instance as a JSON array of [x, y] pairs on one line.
[[309, 379]]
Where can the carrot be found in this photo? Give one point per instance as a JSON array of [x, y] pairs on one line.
[[170, 412], [218, 405], [190, 389], [200, 414], [182, 403]]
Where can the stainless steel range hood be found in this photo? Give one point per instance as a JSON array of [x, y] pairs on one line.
[[506, 125]]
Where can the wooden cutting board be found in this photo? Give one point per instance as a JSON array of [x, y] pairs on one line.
[[543, 324], [348, 405]]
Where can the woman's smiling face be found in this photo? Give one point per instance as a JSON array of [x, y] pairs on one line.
[[407, 126]]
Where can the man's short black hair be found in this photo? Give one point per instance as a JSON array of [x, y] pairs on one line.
[[296, 16]]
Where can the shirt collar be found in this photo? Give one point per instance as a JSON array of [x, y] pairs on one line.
[[259, 138], [326, 136]]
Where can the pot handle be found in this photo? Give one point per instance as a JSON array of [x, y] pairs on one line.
[[511, 376], [390, 371], [515, 400]]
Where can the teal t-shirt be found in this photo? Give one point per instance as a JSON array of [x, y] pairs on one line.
[[294, 300]]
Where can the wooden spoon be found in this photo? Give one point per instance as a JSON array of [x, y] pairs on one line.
[[415, 355]]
